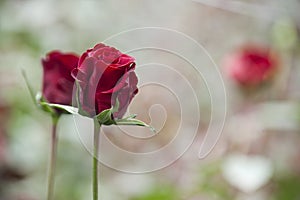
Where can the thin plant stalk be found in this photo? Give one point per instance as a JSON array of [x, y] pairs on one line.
[[53, 155], [97, 128]]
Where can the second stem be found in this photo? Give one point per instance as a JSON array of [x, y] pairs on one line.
[[52, 162], [97, 128]]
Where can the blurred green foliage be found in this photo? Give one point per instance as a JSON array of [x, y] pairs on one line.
[[285, 34], [162, 192], [212, 183], [20, 39], [287, 188]]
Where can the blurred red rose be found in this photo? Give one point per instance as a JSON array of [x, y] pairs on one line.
[[104, 75], [251, 65], [57, 80]]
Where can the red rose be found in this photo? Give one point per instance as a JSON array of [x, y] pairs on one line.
[[57, 80], [251, 65], [105, 75]]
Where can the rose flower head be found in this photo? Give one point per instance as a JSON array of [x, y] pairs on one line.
[[57, 80], [105, 77], [251, 65]]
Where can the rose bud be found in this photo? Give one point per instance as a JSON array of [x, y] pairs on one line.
[[105, 76], [251, 65], [57, 80]]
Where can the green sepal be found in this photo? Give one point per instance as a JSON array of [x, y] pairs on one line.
[[129, 121], [63, 108], [131, 116], [80, 111], [105, 117], [43, 105], [115, 108], [52, 108], [28, 86]]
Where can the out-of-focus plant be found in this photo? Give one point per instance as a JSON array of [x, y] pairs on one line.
[[251, 65], [55, 99]]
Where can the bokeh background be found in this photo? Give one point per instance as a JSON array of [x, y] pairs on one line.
[[258, 154]]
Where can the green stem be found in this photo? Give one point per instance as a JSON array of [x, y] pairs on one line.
[[53, 153], [97, 128]]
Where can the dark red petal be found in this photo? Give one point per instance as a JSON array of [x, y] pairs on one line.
[[57, 79], [103, 101], [69, 60], [82, 58]]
